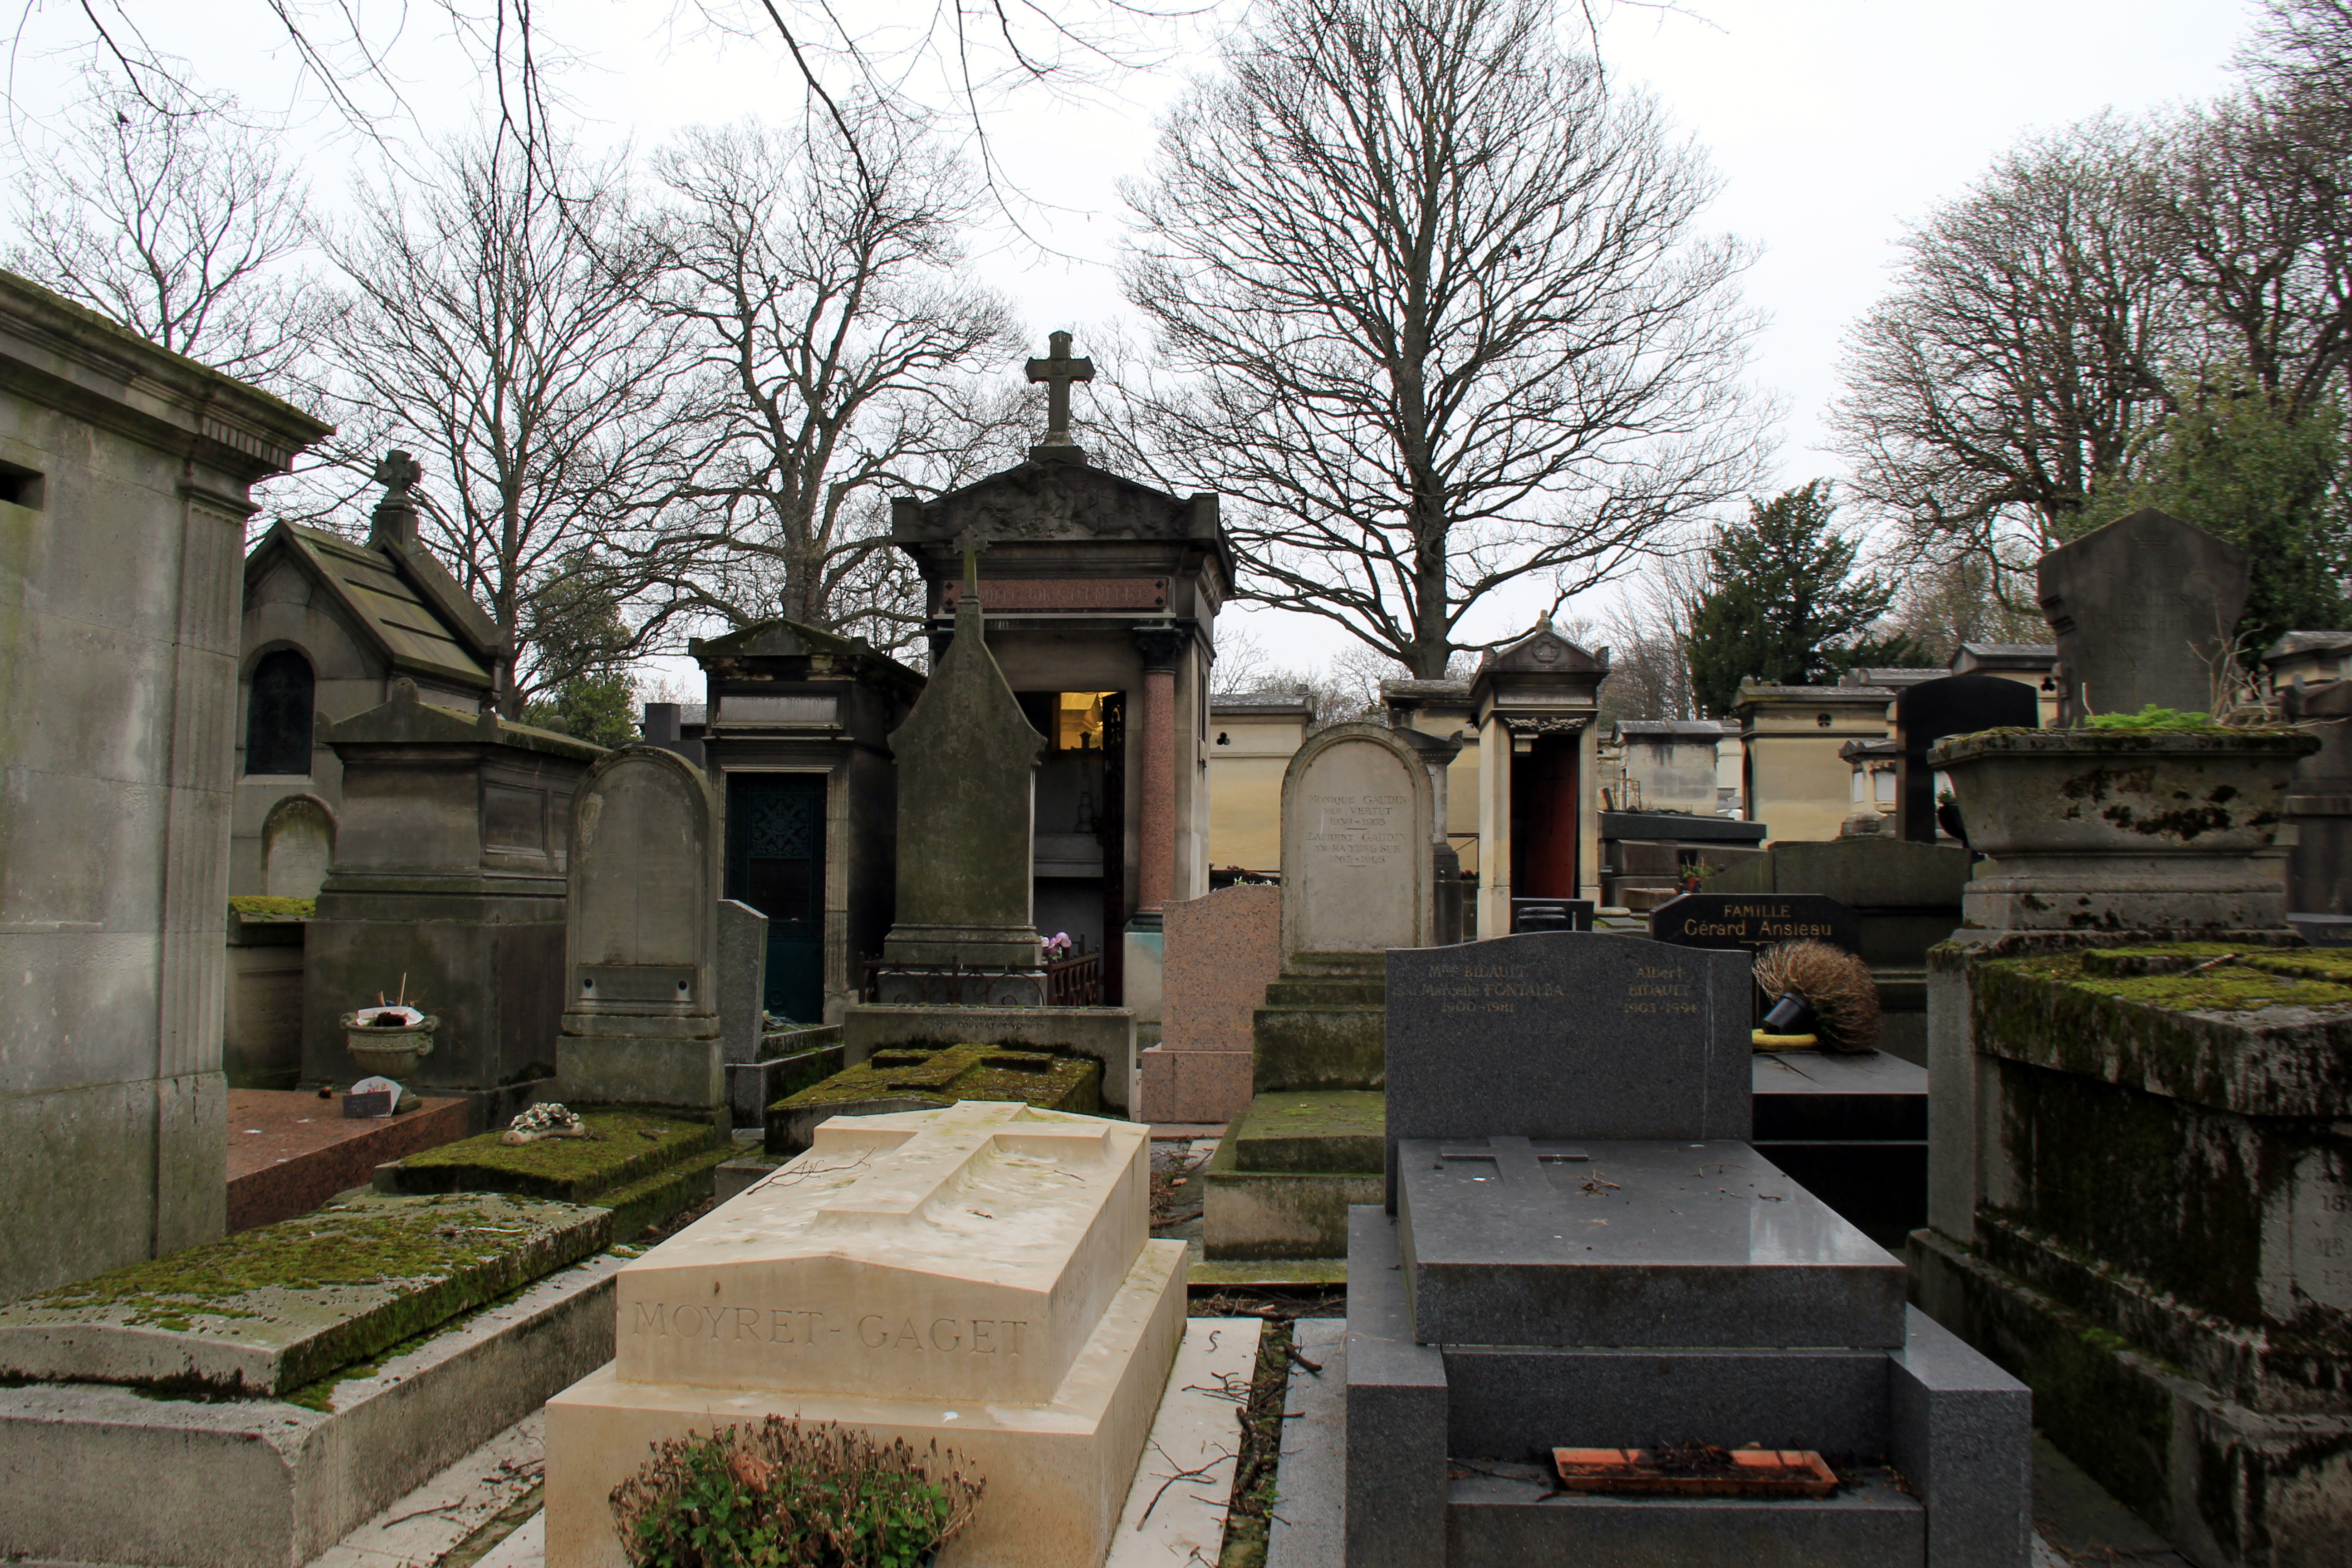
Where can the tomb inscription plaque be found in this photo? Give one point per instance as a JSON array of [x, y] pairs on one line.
[[1755, 921]]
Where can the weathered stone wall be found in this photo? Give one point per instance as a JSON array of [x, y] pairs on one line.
[[124, 495], [2143, 1208]]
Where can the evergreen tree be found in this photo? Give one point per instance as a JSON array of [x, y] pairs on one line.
[[1784, 604], [2240, 465]]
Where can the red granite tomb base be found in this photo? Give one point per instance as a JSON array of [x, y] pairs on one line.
[[289, 1151]]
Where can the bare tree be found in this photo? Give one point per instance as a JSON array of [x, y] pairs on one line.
[[500, 331], [2256, 213], [180, 222], [1649, 636], [832, 339], [1441, 318], [2021, 356]]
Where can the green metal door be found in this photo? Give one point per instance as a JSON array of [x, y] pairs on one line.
[[775, 863]]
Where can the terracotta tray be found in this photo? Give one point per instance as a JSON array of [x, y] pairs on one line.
[[1746, 1472]]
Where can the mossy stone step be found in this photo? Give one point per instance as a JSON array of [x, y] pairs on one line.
[[921, 1078], [1318, 1048], [274, 1307], [625, 1147], [1285, 1215], [1338, 1129], [669, 1192]]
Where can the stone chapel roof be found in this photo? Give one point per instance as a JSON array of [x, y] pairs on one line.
[[415, 622]]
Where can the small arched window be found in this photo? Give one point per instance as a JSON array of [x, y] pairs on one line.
[[278, 715]]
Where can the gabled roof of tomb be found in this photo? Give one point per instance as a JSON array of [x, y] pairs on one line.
[[1542, 652], [408, 721], [398, 597], [792, 639], [1058, 500], [2293, 643]]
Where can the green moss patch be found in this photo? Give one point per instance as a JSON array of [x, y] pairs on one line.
[[2165, 979], [283, 1305], [1320, 1129], [623, 1147], [1040, 1078], [256, 906]]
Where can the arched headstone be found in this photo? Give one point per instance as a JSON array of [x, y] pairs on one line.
[[641, 1014], [298, 845], [1357, 813]]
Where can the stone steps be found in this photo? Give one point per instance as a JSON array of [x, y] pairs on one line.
[[1341, 1047], [1281, 1179]]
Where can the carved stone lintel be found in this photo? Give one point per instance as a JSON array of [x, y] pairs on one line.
[[1528, 725]]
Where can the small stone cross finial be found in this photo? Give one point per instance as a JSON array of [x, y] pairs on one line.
[[398, 472], [1057, 370], [973, 544]]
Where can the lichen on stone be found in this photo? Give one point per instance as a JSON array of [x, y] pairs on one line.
[[1041, 1079]]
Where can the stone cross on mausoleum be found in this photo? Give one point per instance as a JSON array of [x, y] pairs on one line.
[[1057, 370], [398, 472]]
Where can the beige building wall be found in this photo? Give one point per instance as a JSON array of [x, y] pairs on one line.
[[1795, 781], [1250, 744]]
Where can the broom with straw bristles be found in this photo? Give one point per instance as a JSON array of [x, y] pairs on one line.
[[1833, 984]]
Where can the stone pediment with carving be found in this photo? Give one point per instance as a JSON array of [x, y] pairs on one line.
[[1543, 652], [1046, 503]]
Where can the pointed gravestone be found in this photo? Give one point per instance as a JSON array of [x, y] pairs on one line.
[[2144, 610], [967, 769]]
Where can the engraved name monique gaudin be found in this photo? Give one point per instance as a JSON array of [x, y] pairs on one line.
[[783, 1326]]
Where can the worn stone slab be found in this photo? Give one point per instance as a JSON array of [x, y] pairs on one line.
[[1508, 1241], [2137, 609], [1568, 1035], [1309, 1528], [273, 1309], [1175, 1509], [108, 1475]]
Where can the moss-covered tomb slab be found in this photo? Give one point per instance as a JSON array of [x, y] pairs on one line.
[[2264, 1034], [269, 1310], [623, 1147]]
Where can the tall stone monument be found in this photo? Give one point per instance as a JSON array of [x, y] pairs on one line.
[[967, 762], [982, 1276], [1358, 813], [2143, 610], [641, 1021], [963, 964]]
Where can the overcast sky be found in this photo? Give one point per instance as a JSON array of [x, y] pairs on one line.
[[1833, 122]]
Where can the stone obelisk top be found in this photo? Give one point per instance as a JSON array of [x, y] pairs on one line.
[[1057, 370]]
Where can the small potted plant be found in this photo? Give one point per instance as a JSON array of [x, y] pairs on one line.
[[390, 1039]]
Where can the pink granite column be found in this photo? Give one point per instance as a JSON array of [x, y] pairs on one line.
[[1160, 645]]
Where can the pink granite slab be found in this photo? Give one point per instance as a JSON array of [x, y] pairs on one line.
[[1218, 955]]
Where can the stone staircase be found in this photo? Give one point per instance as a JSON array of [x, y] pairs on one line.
[[1310, 1143]]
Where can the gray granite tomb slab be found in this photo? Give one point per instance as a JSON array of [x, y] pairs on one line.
[[1508, 1241], [1567, 1035]]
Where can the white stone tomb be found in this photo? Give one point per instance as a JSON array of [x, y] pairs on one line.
[[982, 1275]]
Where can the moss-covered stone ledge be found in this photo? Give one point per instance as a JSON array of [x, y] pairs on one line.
[[273, 1309], [2268, 1035], [937, 1077], [623, 1147]]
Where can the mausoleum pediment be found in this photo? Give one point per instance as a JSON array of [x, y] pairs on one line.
[[1052, 501]]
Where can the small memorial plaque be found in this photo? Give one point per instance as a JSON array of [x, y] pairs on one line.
[[1755, 921]]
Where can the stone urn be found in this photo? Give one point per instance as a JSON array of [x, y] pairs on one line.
[[388, 1050], [2125, 830]]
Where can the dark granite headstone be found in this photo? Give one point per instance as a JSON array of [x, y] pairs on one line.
[[2139, 609], [1956, 705], [1755, 921], [1566, 1034]]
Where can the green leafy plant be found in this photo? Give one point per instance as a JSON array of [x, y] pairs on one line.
[[783, 1495], [2154, 718]]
